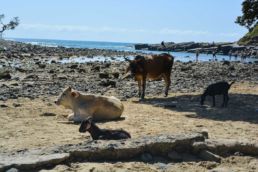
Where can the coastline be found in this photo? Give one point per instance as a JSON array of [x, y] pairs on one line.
[[112, 51], [31, 70], [227, 48]]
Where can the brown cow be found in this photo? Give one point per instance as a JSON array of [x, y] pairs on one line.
[[150, 67]]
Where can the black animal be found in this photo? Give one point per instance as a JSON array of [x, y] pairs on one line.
[[220, 88], [102, 134]]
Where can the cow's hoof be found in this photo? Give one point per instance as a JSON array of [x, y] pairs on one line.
[[71, 117]]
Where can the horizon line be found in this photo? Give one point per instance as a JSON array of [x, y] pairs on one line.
[[60, 39]]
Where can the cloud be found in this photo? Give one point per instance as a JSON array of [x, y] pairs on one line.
[[80, 28], [77, 28], [230, 34], [168, 31]]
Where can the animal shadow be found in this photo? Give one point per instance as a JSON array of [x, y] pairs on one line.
[[99, 121], [241, 107]]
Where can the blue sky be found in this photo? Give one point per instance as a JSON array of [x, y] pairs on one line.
[[126, 20]]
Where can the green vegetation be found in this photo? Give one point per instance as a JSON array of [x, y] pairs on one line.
[[9, 26], [250, 38], [250, 14]]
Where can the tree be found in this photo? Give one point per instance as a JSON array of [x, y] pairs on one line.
[[250, 14], [9, 26]]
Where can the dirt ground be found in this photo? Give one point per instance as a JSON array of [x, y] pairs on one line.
[[34, 123], [230, 164]]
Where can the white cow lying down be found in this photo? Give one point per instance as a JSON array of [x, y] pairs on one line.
[[85, 105]]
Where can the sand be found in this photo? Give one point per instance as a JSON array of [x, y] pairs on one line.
[[25, 125]]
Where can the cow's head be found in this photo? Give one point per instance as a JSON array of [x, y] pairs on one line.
[[135, 67], [66, 97]]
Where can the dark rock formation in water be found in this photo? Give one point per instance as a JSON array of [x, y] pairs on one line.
[[231, 49]]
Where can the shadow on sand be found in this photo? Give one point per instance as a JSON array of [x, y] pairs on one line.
[[99, 121], [241, 107]]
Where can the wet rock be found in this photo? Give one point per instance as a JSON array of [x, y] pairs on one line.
[[208, 156], [74, 66], [20, 69], [82, 70], [3, 106], [16, 104], [95, 68], [51, 71], [186, 68], [116, 75], [226, 63], [233, 74], [62, 77], [3, 98], [5, 75], [42, 66], [15, 84], [106, 65], [48, 114], [103, 75], [231, 68], [107, 83], [146, 157], [174, 156], [31, 76]]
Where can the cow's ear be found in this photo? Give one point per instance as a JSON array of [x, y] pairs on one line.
[[89, 119], [74, 94], [69, 88]]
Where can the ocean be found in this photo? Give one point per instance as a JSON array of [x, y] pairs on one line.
[[119, 46]]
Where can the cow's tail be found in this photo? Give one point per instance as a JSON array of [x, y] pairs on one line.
[[172, 61]]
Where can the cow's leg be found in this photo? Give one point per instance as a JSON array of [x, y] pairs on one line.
[[143, 87], [74, 118], [167, 80], [140, 88]]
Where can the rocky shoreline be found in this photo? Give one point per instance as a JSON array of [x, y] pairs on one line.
[[228, 48], [35, 77]]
